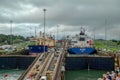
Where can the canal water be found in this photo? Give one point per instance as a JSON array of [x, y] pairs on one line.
[[13, 74], [84, 74]]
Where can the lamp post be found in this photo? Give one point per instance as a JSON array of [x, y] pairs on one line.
[[44, 26], [57, 32], [94, 34], [106, 33], [11, 42], [57, 36], [30, 28], [35, 33]]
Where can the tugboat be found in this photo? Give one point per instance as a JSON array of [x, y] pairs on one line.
[[81, 44]]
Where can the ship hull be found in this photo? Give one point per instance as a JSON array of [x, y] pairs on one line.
[[88, 50]]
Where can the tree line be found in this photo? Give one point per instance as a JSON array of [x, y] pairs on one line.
[[8, 39]]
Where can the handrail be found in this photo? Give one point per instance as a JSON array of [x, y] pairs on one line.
[[28, 69], [49, 62], [57, 71], [46, 63], [59, 61]]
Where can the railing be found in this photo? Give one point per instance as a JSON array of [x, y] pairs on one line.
[[28, 69], [57, 69], [45, 66], [59, 64]]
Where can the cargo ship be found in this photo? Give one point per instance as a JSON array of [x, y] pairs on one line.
[[81, 44]]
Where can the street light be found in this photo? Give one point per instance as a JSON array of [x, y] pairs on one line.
[[35, 33], [44, 27], [11, 42], [57, 32], [106, 33]]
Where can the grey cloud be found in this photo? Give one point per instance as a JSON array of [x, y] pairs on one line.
[[72, 14]]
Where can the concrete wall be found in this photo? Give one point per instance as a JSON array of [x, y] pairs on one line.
[[13, 62], [99, 63]]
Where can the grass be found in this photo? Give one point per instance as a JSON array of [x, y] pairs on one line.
[[108, 45]]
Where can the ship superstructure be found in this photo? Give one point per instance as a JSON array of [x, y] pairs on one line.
[[81, 44], [81, 40]]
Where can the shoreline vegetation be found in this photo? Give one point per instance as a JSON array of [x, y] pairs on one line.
[[21, 42]]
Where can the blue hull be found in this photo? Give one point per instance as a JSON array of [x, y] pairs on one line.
[[88, 50], [37, 48]]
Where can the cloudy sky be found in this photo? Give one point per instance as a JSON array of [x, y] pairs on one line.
[[68, 15]]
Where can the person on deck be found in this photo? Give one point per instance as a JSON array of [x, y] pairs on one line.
[[118, 77]]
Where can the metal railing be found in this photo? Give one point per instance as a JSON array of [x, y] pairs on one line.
[[28, 69]]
